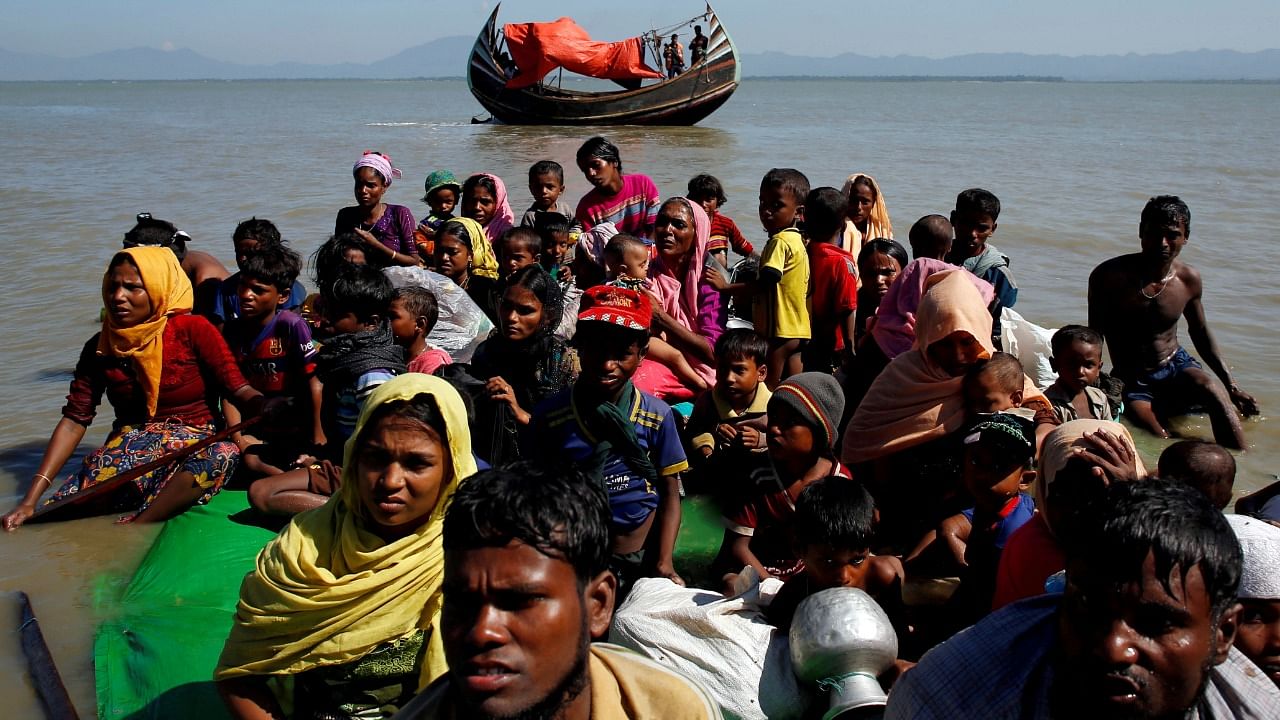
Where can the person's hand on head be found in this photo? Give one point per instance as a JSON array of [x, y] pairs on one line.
[[366, 236], [1112, 458]]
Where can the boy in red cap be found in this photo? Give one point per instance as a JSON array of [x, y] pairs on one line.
[[624, 438]]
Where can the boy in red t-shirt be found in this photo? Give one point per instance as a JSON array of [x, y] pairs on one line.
[[833, 290], [707, 191]]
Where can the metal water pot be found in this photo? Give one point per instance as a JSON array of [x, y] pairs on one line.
[[842, 640]]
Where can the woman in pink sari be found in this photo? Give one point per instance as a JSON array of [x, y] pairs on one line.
[[687, 310]]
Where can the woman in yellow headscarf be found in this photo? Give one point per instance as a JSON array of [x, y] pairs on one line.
[[347, 598], [868, 217], [154, 360], [463, 255]]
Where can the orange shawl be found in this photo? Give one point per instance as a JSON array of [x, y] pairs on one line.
[[914, 401], [170, 292]]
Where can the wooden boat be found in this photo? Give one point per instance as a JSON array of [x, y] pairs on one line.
[[683, 100]]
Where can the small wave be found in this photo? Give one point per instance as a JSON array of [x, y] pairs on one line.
[[393, 124]]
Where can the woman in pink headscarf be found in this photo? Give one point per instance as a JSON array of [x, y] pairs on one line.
[[687, 309], [484, 199], [387, 230]]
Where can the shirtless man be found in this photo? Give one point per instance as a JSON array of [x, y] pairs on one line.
[[1135, 301]]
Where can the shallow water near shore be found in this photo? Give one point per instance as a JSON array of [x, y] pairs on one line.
[[1072, 164]]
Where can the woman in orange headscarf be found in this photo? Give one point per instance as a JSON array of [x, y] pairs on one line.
[[917, 403], [152, 359], [868, 215]]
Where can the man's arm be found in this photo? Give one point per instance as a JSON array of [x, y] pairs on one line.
[[1207, 347]]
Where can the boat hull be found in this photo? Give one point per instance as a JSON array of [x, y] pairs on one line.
[[684, 100]]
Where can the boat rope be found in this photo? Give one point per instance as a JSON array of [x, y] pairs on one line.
[[663, 32]]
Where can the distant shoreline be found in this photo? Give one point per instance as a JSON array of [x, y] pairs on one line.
[[856, 78]]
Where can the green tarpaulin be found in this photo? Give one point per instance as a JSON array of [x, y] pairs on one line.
[[154, 654]]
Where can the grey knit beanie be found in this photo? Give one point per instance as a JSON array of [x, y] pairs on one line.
[[817, 398]]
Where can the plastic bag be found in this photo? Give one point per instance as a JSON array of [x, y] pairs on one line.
[[1030, 343], [724, 644], [462, 325]]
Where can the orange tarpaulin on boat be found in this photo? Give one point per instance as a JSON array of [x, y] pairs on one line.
[[539, 48]]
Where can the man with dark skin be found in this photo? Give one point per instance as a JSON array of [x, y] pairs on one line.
[[1135, 301], [697, 46], [526, 590], [1144, 629]]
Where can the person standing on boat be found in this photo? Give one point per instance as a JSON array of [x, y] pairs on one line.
[[697, 46], [673, 54], [387, 230], [164, 371], [630, 202]]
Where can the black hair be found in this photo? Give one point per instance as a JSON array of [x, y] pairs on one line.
[[458, 231], [979, 201], [523, 236], [1068, 334], [546, 167], [619, 244], [538, 281], [824, 214], [562, 514], [359, 289], [742, 343], [121, 258], [420, 303], [1203, 465], [836, 512], [604, 334], [788, 180], [598, 147], [275, 264], [1004, 368], [332, 255], [260, 229], [550, 224], [1166, 208], [704, 186], [154, 232], [480, 180], [883, 246], [420, 408], [930, 236], [1171, 521]]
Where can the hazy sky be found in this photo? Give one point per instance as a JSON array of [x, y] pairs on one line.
[[330, 31]]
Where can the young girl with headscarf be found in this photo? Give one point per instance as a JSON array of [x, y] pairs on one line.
[[484, 200], [386, 229], [347, 599], [164, 370], [868, 216]]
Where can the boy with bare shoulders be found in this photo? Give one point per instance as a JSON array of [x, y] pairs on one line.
[[1135, 301]]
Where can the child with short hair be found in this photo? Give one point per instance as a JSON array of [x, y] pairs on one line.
[[557, 246], [727, 427], [358, 354], [275, 352], [707, 191], [442, 194], [834, 526], [251, 236], [780, 312], [833, 294], [931, 237], [546, 185], [516, 248], [759, 515], [626, 260], [623, 438], [974, 221], [1206, 466], [413, 315], [1077, 358]]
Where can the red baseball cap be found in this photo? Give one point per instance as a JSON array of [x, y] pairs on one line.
[[617, 306]]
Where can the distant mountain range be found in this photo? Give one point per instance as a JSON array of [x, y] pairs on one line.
[[446, 57]]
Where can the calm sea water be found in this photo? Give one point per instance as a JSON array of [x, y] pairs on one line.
[[1072, 164]]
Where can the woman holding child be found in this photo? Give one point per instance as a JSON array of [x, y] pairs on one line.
[[346, 600], [164, 370], [387, 230], [917, 403], [687, 310]]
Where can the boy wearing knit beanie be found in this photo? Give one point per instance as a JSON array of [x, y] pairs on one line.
[[803, 415]]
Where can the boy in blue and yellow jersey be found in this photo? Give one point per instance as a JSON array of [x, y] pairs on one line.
[[624, 438]]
